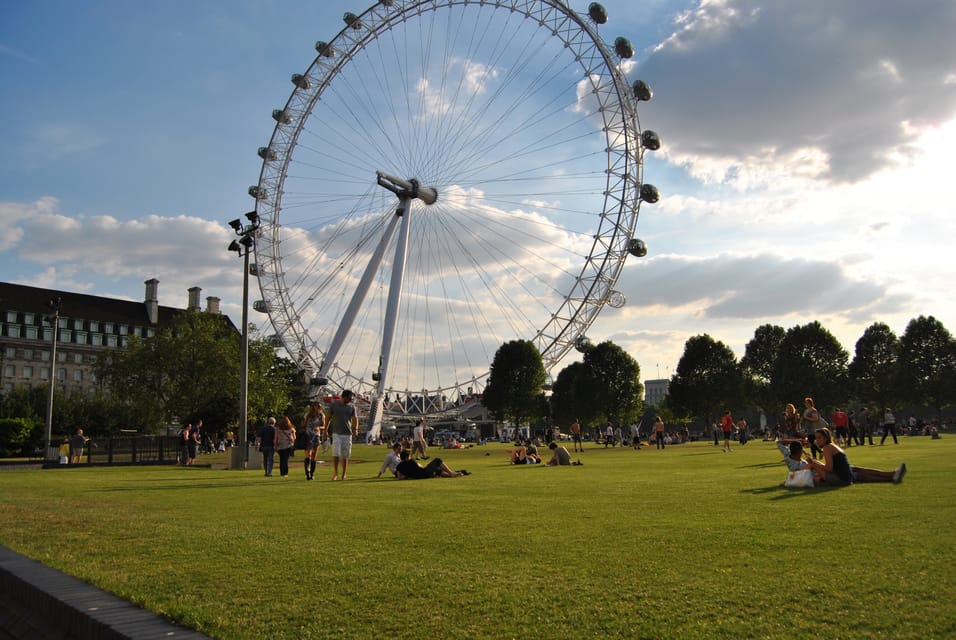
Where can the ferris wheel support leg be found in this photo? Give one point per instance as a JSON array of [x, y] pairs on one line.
[[391, 311], [348, 319]]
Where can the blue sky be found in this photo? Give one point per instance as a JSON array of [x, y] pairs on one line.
[[804, 174]]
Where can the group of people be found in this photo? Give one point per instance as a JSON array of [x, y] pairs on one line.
[[827, 461], [526, 452], [279, 437]]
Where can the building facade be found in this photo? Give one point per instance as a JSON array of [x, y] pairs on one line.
[[87, 327], [655, 391]]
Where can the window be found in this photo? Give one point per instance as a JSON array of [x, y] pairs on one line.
[[29, 318], [64, 323], [28, 354], [61, 356], [77, 323], [78, 358], [77, 375], [61, 374], [150, 332], [111, 340], [44, 373], [137, 331], [94, 325], [81, 337], [31, 333], [45, 356], [107, 327], [66, 335], [9, 371], [11, 316], [96, 339], [13, 330], [47, 333], [10, 352], [27, 371], [123, 329]]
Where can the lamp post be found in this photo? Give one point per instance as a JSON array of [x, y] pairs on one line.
[[244, 245], [54, 321]]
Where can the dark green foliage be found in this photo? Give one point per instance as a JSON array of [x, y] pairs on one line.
[[874, 371], [811, 363], [707, 381], [515, 382], [927, 364], [15, 435]]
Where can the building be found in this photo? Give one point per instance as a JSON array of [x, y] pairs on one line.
[[88, 327], [655, 391]]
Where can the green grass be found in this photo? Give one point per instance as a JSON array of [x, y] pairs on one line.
[[683, 543]]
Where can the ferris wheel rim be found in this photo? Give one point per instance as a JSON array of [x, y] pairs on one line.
[[600, 270]]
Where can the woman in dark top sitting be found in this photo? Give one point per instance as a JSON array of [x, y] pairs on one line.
[[837, 469]]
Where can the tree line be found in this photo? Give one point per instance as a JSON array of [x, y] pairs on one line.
[[779, 366]]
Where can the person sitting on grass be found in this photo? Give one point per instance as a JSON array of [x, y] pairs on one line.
[[560, 456], [792, 450], [836, 466], [525, 454], [408, 469]]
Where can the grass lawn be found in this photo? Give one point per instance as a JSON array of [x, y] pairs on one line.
[[688, 542]]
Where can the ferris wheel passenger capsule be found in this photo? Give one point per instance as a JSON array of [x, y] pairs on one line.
[[583, 344], [623, 47], [642, 91], [597, 13], [649, 193], [650, 140], [352, 20], [325, 49], [258, 193], [280, 116], [637, 248], [266, 153], [301, 81]]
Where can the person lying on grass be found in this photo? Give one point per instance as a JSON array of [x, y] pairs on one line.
[[409, 469], [837, 469], [792, 450]]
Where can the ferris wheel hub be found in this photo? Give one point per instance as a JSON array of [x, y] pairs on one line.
[[407, 188]]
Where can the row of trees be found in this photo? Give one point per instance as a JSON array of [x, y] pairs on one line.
[[779, 366], [188, 370], [604, 386]]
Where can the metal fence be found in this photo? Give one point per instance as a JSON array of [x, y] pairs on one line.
[[126, 450]]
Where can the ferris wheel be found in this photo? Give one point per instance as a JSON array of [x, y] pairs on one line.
[[447, 176]]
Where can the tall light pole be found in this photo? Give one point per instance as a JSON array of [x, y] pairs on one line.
[[244, 246], [54, 321]]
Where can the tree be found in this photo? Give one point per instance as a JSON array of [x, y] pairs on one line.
[[515, 382], [760, 357], [612, 383], [190, 370], [811, 363], [874, 371], [927, 364], [707, 380], [568, 396]]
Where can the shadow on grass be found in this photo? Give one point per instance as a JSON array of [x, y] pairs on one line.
[[780, 492]]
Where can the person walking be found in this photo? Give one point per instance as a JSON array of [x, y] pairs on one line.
[[576, 435], [659, 432], [344, 426], [285, 444], [418, 440], [864, 425], [77, 441], [266, 444], [889, 426], [727, 428], [314, 426]]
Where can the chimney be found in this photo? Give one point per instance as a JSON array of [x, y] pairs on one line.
[[212, 305], [152, 300], [194, 299]]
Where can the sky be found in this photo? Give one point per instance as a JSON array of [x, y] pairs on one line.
[[805, 171]]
